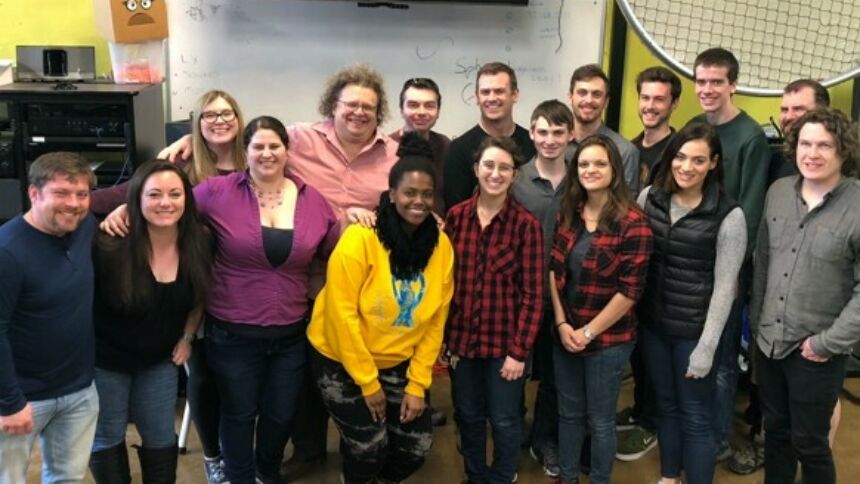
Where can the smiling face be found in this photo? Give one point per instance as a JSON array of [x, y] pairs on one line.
[[594, 169], [817, 158], [59, 207], [413, 198], [713, 89], [588, 99], [162, 200], [267, 155], [550, 140], [218, 123], [655, 104], [495, 170], [355, 114], [691, 165], [420, 109], [495, 97]]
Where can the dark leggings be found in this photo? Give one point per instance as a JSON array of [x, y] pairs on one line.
[[203, 400]]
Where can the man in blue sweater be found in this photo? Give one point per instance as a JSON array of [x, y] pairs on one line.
[[46, 329]]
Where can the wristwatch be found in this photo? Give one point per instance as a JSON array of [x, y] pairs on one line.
[[587, 333], [190, 337]]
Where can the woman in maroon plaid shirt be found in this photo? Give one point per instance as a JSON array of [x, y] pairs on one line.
[[495, 313], [598, 268]]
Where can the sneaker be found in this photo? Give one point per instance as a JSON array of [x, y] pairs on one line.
[[214, 469], [548, 459], [437, 417], [724, 452], [625, 420], [634, 443], [748, 458]]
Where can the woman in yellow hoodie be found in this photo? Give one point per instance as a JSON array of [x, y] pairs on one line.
[[377, 325]]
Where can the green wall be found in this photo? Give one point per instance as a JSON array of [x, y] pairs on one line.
[[638, 57], [51, 22]]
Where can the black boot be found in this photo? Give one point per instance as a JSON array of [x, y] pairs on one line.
[[110, 466], [158, 466]]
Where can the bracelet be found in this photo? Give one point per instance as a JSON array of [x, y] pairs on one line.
[[558, 325], [189, 337]]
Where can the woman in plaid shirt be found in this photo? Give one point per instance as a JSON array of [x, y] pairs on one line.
[[495, 314], [598, 267]]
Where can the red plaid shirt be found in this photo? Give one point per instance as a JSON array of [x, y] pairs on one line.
[[499, 283], [616, 262]]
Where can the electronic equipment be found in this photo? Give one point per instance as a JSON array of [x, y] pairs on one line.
[[55, 63], [114, 126]]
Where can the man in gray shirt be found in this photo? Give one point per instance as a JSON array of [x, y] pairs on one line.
[[589, 96], [806, 295]]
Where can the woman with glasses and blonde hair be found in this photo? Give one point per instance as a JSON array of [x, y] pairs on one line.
[[218, 150]]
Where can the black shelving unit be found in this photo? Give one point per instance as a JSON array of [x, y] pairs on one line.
[[115, 126]]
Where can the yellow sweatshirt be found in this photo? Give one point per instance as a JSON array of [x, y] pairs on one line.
[[365, 319]]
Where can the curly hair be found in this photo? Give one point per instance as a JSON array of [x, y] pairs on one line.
[[844, 133], [362, 75]]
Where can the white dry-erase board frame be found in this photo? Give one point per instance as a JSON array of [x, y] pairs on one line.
[[275, 55]]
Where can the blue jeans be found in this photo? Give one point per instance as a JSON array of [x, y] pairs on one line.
[[258, 380], [146, 397], [65, 427], [480, 393], [588, 387], [684, 407]]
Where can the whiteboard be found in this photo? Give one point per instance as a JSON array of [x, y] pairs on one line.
[[274, 56]]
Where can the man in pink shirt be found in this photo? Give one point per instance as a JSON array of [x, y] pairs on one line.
[[347, 159]]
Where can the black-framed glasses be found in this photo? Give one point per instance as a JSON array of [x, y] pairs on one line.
[[226, 115]]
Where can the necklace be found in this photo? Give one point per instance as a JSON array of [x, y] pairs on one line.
[[272, 198]]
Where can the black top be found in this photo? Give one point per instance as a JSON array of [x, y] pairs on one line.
[[460, 179], [650, 157], [133, 338], [574, 263], [277, 244], [681, 270]]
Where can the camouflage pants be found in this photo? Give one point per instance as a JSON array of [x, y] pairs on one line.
[[388, 450]]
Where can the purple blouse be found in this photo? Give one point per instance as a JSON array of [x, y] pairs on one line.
[[245, 287]]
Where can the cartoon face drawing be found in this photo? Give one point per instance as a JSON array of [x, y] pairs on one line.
[[131, 21], [138, 10]]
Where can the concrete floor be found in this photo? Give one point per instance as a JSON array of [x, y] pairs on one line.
[[444, 464]]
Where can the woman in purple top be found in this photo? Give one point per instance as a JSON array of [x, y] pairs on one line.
[[268, 227]]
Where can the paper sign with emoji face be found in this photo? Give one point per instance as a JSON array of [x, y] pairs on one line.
[[130, 21]]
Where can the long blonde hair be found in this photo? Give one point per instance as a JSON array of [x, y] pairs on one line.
[[203, 162]]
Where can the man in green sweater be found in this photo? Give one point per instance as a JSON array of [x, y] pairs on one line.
[[746, 159]]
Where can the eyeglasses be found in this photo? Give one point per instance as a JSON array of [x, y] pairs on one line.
[[226, 115], [354, 106], [503, 168]]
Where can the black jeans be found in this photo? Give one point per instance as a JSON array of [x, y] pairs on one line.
[[797, 398], [388, 450], [203, 400], [545, 427]]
